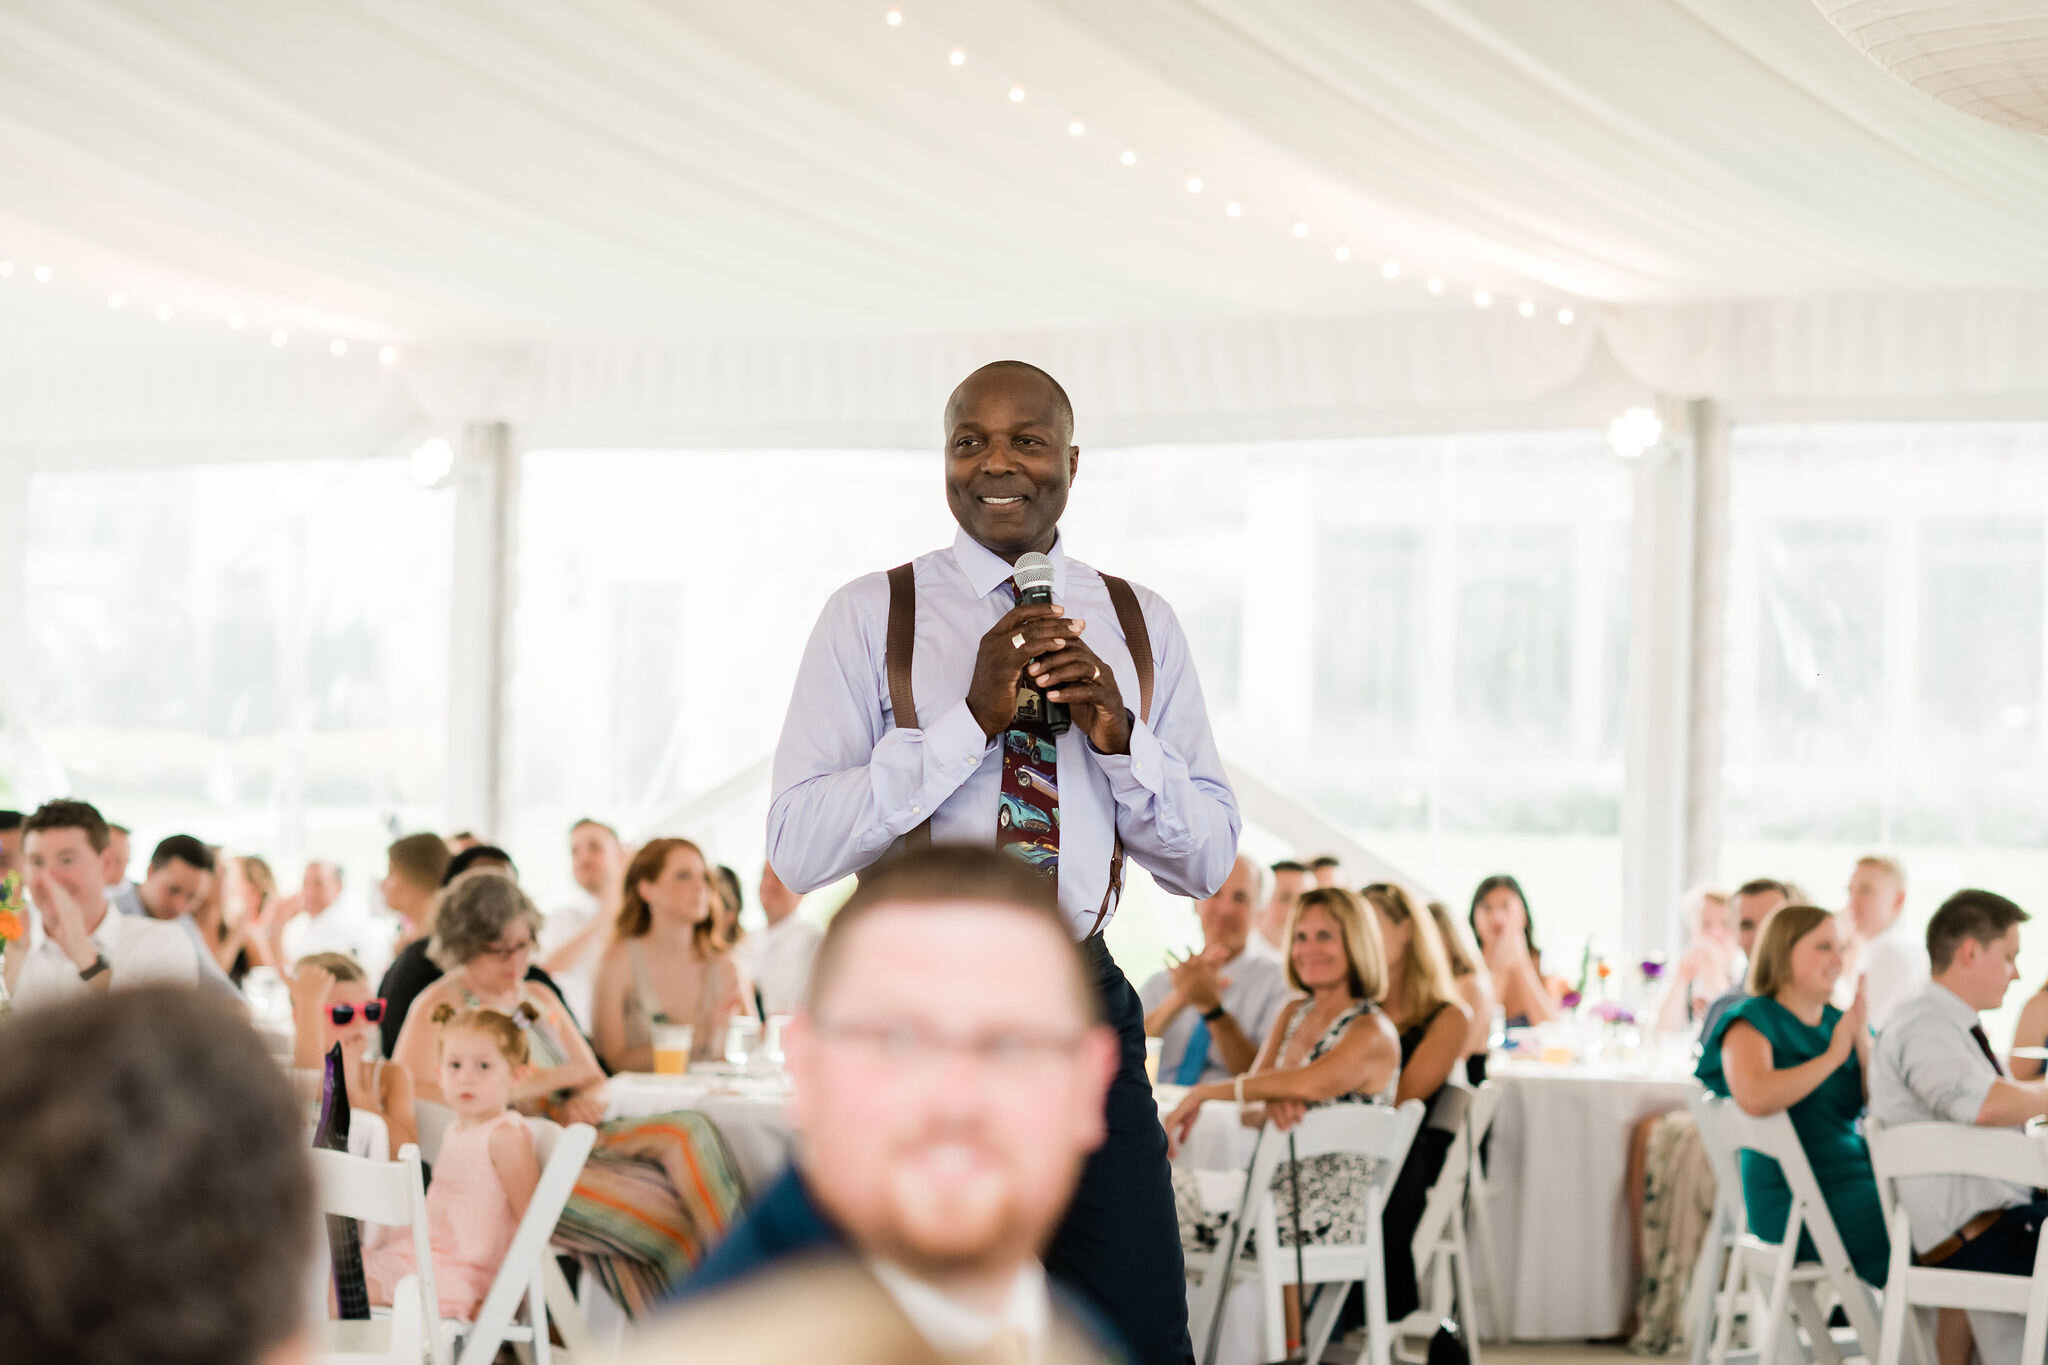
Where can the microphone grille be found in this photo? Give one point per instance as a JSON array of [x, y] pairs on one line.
[[1031, 570]]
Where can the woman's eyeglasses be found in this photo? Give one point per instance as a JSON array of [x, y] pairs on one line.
[[344, 1015]]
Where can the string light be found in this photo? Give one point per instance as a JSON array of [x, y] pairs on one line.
[[387, 355], [44, 274], [1301, 229], [164, 312], [1343, 253], [1076, 128], [957, 57], [1016, 94], [280, 338], [1390, 270], [1234, 209], [1482, 299], [117, 300], [337, 347], [1435, 286], [237, 322], [1565, 316], [1194, 184], [1526, 308], [894, 18], [1129, 158]]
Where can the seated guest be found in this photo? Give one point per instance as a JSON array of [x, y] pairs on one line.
[[220, 940], [1422, 1004], [730, 937], [251, 897], [655, 1192], [1752, 904], [156, 1200], [1289, 880], [180, 871], [114, 859], [1707, 967], [412, 971], [665, 962], [779, 957], [948, 1072], [1507, 941], [86, 947], [1787, 1049], [320, 919], [1934, 1065], [1886, 958], [575, 935], [1326, 870], [1214, 1009], [10, 843], [1475, 988], [1335, 1046], [414, 868], [331, 1006]]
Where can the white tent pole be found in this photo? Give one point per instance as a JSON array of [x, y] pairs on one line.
[[1709, 626], [1658, 744], [486, 486]]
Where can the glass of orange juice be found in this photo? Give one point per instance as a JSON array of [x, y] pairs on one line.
[[1152, 1051], [672, 1044]]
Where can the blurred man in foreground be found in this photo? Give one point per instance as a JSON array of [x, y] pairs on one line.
[[949, 1073]]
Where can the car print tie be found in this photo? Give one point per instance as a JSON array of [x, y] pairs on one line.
[[1028, 807]]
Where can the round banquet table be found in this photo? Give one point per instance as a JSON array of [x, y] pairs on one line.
[[749, 1111], [1558, 1172]]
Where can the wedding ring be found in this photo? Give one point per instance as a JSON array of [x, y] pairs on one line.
[[1098, 674], [1017, 640]]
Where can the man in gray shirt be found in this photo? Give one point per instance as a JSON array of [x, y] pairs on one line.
[[1213, 1011], [1934, 1064]]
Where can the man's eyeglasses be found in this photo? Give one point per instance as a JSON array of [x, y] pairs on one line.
[[344, 1015], [506, 952], [910, 1045]]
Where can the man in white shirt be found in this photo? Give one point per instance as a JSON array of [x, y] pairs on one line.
[[1212, 1011], [1934, 1064], [1887, 959], [574, 936], [1269, 938], [86, 947], [948, 1076], [779, 957], [322, 920]]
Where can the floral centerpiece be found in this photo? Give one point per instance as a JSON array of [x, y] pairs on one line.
[[12, 927]]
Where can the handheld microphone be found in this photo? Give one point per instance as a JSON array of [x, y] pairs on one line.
[[1032, 573]]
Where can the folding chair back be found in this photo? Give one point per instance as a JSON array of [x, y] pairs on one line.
[[1716, 1276], [1442, 1254], [394, 1194], [1949, 1149]]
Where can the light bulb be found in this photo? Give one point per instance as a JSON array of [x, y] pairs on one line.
[[1566, 316], [117, 300], [387, 355], [1301, 229], [164, 312], [1526, 308], [1194, 184], [431, 462], [237, 322], [1435, 286], [894, 18], [1635, 433], [1482, 299], [1129, 158], [1076, 128], [1016, 94], [1234, 209], [44, 274], [957, 57], [280, 338], [1343, 253], [337, 347], [1390, 269]]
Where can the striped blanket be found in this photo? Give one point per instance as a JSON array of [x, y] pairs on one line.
[[656, 1195]]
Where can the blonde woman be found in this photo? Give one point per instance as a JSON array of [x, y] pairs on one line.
[[1474, 985]]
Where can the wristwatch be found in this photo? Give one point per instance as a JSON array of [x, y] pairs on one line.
[[99, 964], [1211, 1016]]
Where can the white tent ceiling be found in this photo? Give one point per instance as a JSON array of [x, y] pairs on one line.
[[701, 221]]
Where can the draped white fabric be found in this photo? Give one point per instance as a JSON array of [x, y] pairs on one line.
[[788, 222]]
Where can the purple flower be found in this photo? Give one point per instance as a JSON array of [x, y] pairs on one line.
[[1611, 1012], [1653, 969], [1572, 1000]]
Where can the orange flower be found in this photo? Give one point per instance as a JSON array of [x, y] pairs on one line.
[[10, 925]]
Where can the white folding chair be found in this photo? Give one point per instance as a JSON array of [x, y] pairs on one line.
[[1443, 1255], [369, 1136], [1479, 1238], [1716, 1278], [434, 1121], [1792, 1283], [394, 1194], [1947, 1149], [1373, 1131], [529, 1273]]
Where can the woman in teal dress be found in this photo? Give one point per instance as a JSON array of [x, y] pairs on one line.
[[1786, 1048]]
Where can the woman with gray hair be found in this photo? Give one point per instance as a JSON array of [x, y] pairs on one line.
[[656, 1192], [485, 928]]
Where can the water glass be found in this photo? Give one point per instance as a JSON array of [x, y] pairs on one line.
[[741, 1038]]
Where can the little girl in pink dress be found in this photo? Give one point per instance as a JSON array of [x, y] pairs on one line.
[[484, 1176]]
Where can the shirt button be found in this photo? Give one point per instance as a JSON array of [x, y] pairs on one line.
[[917, 810]]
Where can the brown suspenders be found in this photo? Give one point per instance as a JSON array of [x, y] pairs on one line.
[[902, 643]]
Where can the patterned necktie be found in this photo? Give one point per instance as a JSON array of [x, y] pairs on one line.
[[1028, 807], [1983, 1041]]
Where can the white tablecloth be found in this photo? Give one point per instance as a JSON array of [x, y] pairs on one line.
[[749, 1112], [1559, 1170]]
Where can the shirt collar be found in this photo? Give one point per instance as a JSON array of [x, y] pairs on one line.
[[1950, 1005], [952, 1327], [986, 571]]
